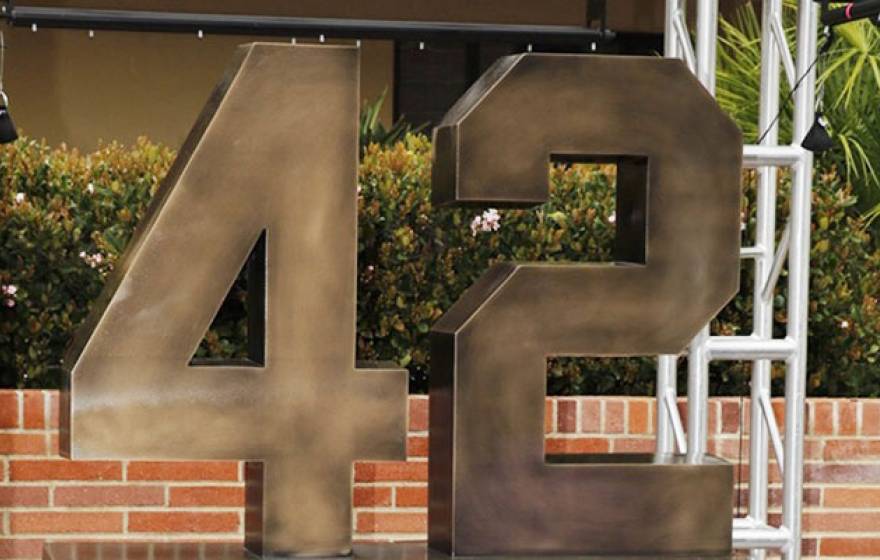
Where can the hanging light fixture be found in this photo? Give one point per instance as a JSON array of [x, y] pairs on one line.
[[817, 139], [7, 127]]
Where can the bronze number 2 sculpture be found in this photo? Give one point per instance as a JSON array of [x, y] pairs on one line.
[[678, 245], [275, 150], [271, 163]]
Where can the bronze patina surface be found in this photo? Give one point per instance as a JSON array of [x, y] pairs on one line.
[[275, 151], [492, 491]]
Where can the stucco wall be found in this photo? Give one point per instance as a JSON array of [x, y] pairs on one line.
[[69, 88]]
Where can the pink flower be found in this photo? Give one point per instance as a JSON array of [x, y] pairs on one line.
[[92, 260], [9, 302], [490, 220]]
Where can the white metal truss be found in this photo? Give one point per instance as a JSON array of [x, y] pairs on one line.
[[754, 531]]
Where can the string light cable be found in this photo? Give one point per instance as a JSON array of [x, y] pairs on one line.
[[829, 37]]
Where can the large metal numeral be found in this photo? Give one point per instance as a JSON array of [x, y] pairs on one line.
[[274, 151], [492, 491]]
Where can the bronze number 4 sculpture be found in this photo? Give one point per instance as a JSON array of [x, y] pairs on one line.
[[272, 162], [275, 150]]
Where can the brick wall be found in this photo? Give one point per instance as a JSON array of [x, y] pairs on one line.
[[43, 496]]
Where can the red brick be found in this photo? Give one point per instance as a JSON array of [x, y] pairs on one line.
[[773, 474], [576, 445], [741, 477], [853, 449], [710, 447], [591, 416], [566, 416], [712, 412], [809, 547], [34, 413], [371, 496], [813, 448], [811, 496], [729, 448], [847, 417], [853, 473], [417, 446], [62, 469], [109, 496], [53, 410], [182, 522], [730, 417], [871, 418], [741, 472], [8, 409], [856, 546], [183, 470], [21, 548], [614, 418], [413, 471], [548, 415], [22, 444], [23, 496], [778, 406], [681, 403], [638, 417], [418, 414], [633, 445], [850, 521], [411, 496], [852, 497], [376, 522], [65, 522], [196, 496], [822, 412]]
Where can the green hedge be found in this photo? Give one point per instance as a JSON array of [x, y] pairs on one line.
[[66, 216]]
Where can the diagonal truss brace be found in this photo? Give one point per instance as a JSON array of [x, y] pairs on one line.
[[753, 531]]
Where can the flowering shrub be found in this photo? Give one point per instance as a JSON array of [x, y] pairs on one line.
[[66, 216], [844, 322], [416, 260]]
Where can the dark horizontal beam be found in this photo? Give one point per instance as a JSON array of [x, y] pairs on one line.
[[851, 12], [222, 24]]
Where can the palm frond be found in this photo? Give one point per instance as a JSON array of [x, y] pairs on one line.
[[848, 77]]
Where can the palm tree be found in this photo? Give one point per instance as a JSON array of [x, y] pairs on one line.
[[849, 89]]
